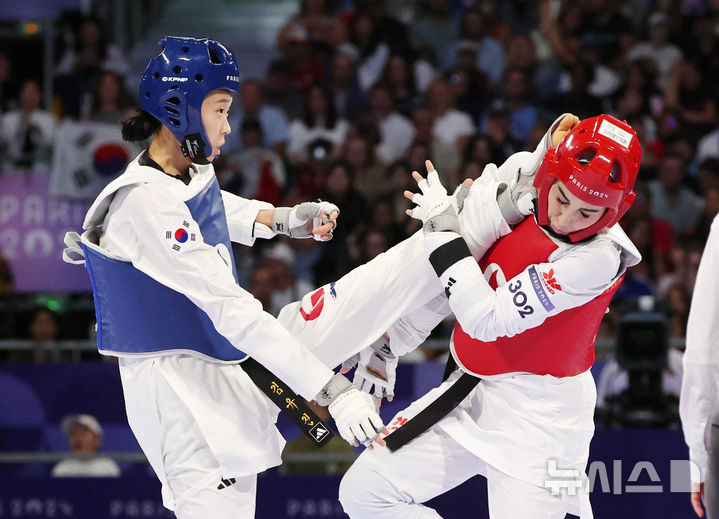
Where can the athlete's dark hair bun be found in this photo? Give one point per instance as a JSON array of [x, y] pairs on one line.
[[140, 127]]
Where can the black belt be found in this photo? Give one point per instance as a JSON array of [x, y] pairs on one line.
[[289, 402], [433, 413]]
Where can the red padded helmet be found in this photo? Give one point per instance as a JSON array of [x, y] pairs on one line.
[[598, 162]]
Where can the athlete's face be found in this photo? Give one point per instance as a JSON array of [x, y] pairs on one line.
[[567, 213], [214, 112]]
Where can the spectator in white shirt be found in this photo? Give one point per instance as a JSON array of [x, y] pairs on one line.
[[27, 133], [708, 146], [320, 121], [450, 125], [657, 48], [84, 435], [395, 130]]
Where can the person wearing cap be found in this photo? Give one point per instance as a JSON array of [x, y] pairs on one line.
[[84, 435], [157, 246], [279, 259], [527, 259]]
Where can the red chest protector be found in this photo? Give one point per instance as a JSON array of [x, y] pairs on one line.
[[562, 346]]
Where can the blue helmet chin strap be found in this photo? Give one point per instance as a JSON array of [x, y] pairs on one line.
[[177, 81]]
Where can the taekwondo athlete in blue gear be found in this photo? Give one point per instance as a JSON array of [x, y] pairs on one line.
[[173, 89], [124, 294], [157, 246]]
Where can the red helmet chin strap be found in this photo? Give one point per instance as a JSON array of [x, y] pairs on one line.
[[598, 162]]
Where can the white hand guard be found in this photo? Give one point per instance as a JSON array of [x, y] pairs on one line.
[[530, 168], [354, 411], [516, 201], [298, 221], [458, 197], [434, 207], [377, 357]]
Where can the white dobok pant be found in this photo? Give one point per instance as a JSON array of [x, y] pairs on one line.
[[393, 485]]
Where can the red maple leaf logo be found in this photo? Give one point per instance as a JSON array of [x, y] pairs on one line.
[[397, 423], [550, 281]]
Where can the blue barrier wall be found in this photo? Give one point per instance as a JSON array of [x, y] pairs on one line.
[[632, 470], [306, 497]]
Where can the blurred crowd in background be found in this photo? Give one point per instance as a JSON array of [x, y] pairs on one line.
[[357, 97]]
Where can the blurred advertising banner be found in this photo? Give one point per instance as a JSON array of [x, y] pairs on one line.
[[86, 157], [32, 227], [35, 9]]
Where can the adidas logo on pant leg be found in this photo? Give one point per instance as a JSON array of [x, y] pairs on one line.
[[224, 483]]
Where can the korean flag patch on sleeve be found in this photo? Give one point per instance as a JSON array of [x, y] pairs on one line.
[[182, 236]]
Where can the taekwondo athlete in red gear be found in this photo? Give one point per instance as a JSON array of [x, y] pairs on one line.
[[525, 422], [397, 294], [157, 246]]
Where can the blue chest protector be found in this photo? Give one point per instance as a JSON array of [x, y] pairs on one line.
[[137, 315]]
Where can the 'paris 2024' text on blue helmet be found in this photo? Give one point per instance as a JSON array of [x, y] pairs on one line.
[[176, 82]]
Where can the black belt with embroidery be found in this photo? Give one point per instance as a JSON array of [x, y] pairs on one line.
[[289, 402], [433, 413]]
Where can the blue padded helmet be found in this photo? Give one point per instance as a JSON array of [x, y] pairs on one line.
[[176, 82]]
